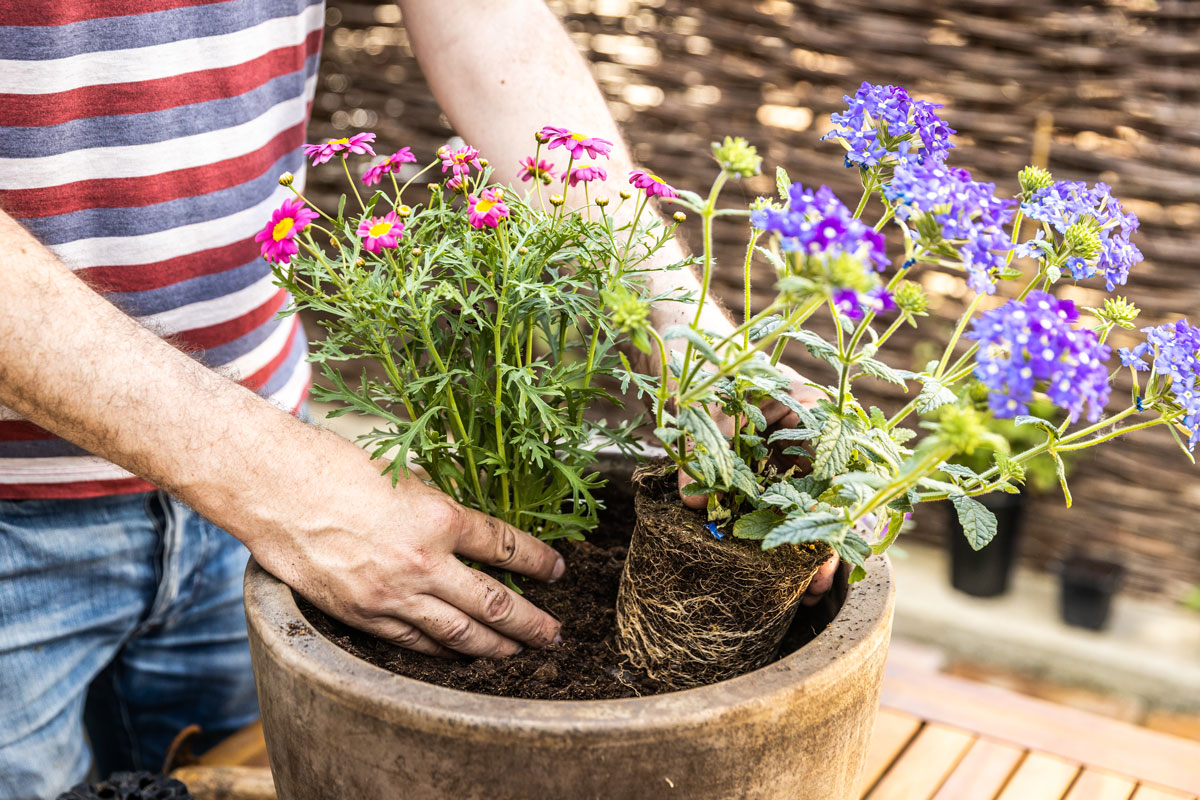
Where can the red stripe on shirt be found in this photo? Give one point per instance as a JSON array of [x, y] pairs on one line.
[[72, 489], [142, 97], [23, 431], [225, 332], [148, 190], [145, 277], [56, 12], [257, 380]]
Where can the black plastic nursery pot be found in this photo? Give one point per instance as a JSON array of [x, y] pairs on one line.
[[798, 728], [1087, 588], [986, 572]]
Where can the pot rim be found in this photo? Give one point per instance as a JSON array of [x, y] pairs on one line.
[[856, 632]]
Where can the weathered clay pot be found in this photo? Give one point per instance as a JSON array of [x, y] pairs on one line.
[[337, 727]]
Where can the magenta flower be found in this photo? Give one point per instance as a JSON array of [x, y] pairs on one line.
[[587, 173], [460, 160], [486, 209], [652, 184], [278, 237], [358, 144], [456, 184], [390, 164], [380, 232], [576, 143], [542, 170]]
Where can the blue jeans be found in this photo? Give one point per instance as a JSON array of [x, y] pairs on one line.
[[122, 615]]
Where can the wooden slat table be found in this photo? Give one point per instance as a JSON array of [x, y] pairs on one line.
[[944, 738]]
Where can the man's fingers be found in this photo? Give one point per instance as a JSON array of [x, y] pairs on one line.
[[690, 500], [455, 630], [495, 605], [498, 544], [405, 635], [822, 582]]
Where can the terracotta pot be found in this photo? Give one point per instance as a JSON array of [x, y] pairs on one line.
[[797, 729]]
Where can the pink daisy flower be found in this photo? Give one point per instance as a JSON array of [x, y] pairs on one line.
[[460, 160], [576, 143], [278, 237], [654, 185], [390, 164], [380, 232], [456, 184], [542, 170], [587, 173], [358, 144], [486, 209]]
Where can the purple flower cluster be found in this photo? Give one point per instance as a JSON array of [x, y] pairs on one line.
[[968, 211], [1065, 203], [1026, 342], [880, 120], [1176, 353], [819, 223]]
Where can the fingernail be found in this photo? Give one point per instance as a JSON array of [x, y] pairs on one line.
[[557, 638], [560, 567]]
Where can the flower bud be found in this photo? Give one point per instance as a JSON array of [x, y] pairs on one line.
[[286, 179], [335, 243], [679, 216], [523, 250], [396, 293], [433, 187], [624, 194], [498, 193], [602, 201], [416, 252], [483, 162], [737, 158], [403, 211], [360, 262], [1117, 311], [628, 312], [910, 297], [1083, 239], [556, 200], [1034, 178], [962, 427]]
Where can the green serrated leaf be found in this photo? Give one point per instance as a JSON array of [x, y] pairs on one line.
[[744, 479], [1044, 424], [695, 338], [819, 527], [978, 524], [667, 435], [783, 496], [782, 183], [878, 369], [817, 346], [933, 395], [756, 525], [793, 434], [833, 448], [765, 327], [959, 471], [708, 440]]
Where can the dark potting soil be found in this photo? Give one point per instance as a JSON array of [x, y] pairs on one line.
[[585, 666]]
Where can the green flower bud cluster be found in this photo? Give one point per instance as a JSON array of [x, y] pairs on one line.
[[963, 427], [737, 158], [1117, 311], [627, 311], [1034, 178], [911, 298], [1083, 239]]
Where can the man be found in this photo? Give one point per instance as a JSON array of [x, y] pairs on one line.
[[149, 389]]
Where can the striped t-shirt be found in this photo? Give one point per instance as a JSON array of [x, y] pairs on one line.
[[142, 141]]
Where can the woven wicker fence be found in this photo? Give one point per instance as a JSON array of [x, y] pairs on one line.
[[1113, 87]]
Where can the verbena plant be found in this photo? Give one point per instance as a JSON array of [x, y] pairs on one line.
[[482, 312], [859, 465]]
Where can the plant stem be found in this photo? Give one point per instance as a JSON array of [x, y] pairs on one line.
[[746, 311], [346, 168]]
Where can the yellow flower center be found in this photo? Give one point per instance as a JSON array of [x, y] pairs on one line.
[[579, 137], [460, 157], [656, 179], [380, 229], [282, 228], [484, 206], [339, 141]]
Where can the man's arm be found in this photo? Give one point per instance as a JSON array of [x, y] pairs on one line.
[[311, 507]]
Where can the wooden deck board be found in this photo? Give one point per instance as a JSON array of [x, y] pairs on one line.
[[1096, 785], [893, 731], [1040, 777], [982, 772], [1149, 792], [1077, 736], [919, 771]]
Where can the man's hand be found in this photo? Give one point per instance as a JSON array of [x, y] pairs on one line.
[[385, 561], [778, 416]]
